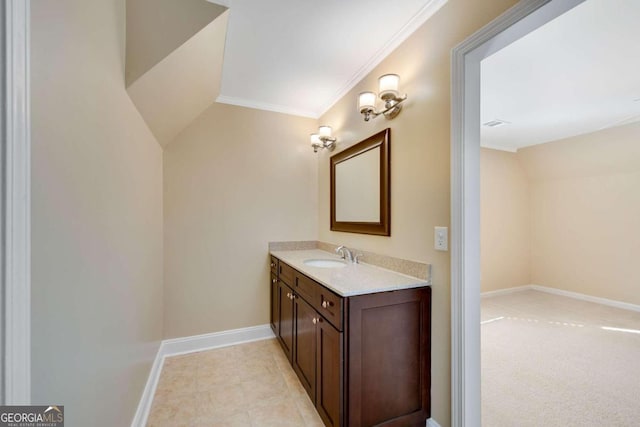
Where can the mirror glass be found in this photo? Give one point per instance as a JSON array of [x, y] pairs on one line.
[[357, 192], [360, 187]]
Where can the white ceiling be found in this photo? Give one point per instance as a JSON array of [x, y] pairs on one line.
[[577, 74], [300, 57]]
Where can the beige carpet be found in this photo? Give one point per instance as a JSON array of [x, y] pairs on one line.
[[549, 360]]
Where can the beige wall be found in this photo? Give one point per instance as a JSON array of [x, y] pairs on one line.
[[585, 216], [505, 221], [564, 215], [234, 180], [96, 218], [420, 175]]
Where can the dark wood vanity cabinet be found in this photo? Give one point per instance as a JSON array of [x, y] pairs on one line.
[[364, 360], [285, 321], [304, 347], [329, 374]]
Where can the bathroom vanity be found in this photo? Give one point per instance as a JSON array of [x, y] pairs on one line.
[[357, 336]]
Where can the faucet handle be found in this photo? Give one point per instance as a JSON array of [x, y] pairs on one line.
[[340, 250], [356, 257]]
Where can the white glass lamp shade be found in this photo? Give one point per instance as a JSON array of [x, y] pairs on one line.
[[366, 101], [388, 86], [315, 139], [324, 131]]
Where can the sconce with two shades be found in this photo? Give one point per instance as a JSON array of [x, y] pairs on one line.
[[388, 91], [323, 139]]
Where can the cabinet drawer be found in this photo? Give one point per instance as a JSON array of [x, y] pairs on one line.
[[274, 265], [306, 288], [329, 305], [285, 273]]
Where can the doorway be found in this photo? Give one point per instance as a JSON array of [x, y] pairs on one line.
[[560, 168], [518, 21]]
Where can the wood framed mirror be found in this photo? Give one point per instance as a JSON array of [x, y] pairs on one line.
[[361, 187]]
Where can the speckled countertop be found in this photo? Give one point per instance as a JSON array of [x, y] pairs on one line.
[[354, 279]]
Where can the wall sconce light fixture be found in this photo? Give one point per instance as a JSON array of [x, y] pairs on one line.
[[323, 139], [388, 88]]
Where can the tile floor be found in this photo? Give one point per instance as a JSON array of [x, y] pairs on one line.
[[248, 385]]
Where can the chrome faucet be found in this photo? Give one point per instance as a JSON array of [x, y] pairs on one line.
[[345, 253]]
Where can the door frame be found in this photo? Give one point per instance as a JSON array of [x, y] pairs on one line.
[[523, 18], [15, 213]]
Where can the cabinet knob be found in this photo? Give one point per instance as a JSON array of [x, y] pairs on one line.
[[273, 280], [314, 320], [272, 265], [288, 295], [326, 304]]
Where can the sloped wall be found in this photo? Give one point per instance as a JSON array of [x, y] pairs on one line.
[[181, 86], [155, 28]]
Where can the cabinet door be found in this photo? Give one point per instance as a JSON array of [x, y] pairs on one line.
[[275, 304], [304, 353], [285, 318], [389, 358], [329, 401]]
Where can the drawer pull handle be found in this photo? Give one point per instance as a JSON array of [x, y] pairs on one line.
[[327, 304]]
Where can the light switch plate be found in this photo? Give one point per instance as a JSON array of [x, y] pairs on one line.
[[441, 239]]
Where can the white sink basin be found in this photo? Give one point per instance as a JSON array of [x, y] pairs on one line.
[[325, 263]]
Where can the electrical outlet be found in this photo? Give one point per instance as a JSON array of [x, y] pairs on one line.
[[441, 239]]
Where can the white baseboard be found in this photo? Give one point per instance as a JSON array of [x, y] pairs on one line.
[[178, 346], [144, 406], [555, 291], [505, 291], [432, 423], [588, 298]]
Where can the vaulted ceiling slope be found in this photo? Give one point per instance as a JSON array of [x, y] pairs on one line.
[[577, 74], [155, 28], [174, 61], [300, 57], [287, 56]]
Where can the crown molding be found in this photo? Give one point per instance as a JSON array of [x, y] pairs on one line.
[[426, 12], [396, 40], [249, 103], [499, 148]]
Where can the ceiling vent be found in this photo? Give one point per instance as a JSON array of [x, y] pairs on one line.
[[495, 123]]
